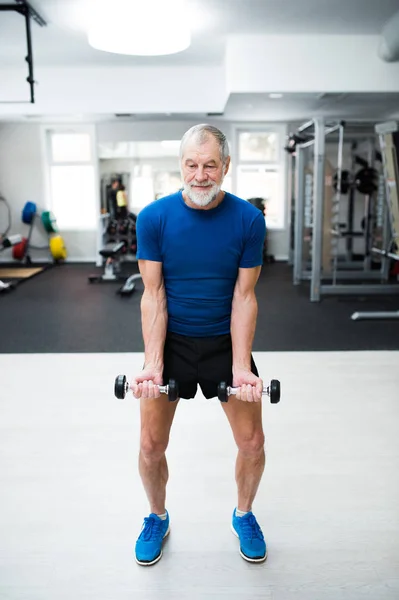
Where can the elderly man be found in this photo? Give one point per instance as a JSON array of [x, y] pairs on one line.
[[200, 256]]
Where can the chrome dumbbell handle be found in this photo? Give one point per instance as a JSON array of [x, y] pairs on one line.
[[164, 389], [233, 390], [122, 387], [273, 391]]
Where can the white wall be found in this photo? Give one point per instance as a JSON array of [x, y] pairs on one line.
[[23, 179], [104, 90], [152, 131], [119, 165], [311, 63]]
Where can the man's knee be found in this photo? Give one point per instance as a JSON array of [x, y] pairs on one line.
[[252, 444], [151, 448]]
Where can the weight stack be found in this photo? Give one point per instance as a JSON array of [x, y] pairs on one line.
[[329, 195]]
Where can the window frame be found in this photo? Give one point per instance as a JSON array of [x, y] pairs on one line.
[[280, 163], [49, 129]]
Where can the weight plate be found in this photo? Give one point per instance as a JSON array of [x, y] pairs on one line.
[[19, 250], [222, 391], [366, 181], [57, 248], [28, 212], [120, 385], [49, 222], [173, 392], [275, 391]]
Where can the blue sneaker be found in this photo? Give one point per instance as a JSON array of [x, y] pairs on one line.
[[149, 542], [252, 542]]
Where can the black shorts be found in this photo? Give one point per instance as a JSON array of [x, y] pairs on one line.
[[205, 361]]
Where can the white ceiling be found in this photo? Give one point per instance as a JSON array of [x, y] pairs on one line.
[[63, 41]]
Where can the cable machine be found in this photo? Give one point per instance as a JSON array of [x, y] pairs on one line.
[[318, 210]]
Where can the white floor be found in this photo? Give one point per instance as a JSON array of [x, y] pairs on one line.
[[71, 502]]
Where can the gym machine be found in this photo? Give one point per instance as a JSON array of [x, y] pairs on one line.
[[316, 212], [389, 144], [260, 204], [112, 253], [118, 240]]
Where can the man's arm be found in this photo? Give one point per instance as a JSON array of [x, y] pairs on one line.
[[154, 317], [243, 324]]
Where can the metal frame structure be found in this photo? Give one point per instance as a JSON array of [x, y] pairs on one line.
[[26, 10], [320, 283], [392, 201]]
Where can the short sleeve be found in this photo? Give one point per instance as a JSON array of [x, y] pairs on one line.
[[252, 255], [148, 240]]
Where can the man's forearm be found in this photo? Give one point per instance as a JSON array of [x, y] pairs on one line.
[[243, 324], [154, 319]]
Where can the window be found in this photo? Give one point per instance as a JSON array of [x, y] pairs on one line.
[[73, 197], [227, 185], [260, 172], [142, 187], [258, 146], [261, 182], [70, 147], [166, 182], [72, 183]]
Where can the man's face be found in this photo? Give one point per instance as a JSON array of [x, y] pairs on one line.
[[203, 171]]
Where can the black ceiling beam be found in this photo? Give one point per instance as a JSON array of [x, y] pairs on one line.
[[24, 4], [28, 12]]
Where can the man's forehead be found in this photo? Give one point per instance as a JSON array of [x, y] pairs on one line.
[[207, 151]]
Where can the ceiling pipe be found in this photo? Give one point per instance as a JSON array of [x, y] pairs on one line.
[[389, 45]]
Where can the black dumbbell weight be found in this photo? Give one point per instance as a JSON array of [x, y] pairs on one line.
[[273, 390], [123, 227], [366, 181], [112, 227], [122, 387], [132, 228]]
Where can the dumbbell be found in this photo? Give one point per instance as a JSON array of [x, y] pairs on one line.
[[122, 387], [224, 391]]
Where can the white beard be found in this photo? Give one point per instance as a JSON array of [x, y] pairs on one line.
[[205, 197]]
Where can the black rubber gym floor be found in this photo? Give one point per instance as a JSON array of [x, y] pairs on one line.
[[59, 311]]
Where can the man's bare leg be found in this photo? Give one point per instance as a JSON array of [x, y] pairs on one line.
[[156, 420], [245, 419]]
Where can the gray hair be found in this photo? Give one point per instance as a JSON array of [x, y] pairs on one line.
[[201, 134]]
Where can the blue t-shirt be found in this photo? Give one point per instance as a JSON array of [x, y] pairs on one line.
[[201, 252]]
